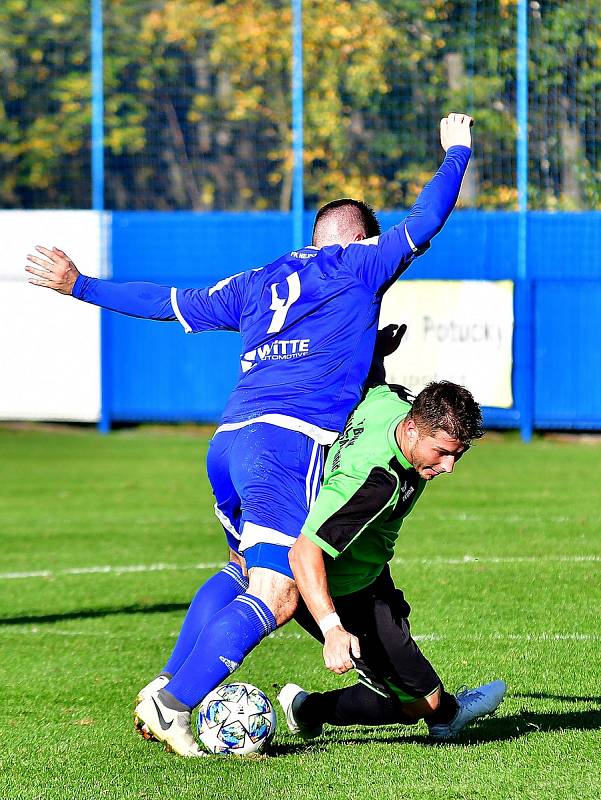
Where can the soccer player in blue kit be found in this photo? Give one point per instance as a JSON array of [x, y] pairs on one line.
[[308, 323]]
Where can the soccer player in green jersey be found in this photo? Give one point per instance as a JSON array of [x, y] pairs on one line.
[[373, 477]]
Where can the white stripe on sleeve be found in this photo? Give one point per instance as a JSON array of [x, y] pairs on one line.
[[177, 312], [412, 244]]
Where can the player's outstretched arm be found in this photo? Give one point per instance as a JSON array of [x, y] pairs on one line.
[[57, 271], [216, 308], [308, 567]]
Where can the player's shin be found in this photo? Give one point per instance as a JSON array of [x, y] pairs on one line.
[[215, 594], [446, 710], [355, 705], [221, 647]]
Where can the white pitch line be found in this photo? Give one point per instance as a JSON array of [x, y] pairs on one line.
[[110, 570], [285, 634], [554, 519], [497, 560], [160, 567]]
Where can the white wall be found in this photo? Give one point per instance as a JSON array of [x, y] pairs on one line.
[[49, 343]]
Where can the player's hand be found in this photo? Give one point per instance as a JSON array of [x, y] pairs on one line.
[[456, 129], [56, 271], [338, 648], [389, 338]]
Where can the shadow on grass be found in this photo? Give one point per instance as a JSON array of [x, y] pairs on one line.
[[527, 722], [297, 748], [569, 698], [495, 729], [92, 613]]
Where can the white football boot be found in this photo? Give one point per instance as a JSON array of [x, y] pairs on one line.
[[167, 725], [291, 697], [155, 684], [473, 703]]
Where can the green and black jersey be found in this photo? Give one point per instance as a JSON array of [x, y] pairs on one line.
[[369, 487]]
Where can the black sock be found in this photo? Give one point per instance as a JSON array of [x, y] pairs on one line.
[[445, 712], [356, 705]]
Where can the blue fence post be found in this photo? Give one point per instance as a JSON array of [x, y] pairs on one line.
[[298, 198], [96, 34], [97, 108], [524, 295]]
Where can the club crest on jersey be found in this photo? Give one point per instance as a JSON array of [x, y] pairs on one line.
[[278, 350]]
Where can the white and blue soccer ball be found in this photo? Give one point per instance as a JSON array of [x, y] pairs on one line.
[[236, 719]]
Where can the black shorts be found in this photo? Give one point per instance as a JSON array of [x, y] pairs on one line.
[[391, 663]]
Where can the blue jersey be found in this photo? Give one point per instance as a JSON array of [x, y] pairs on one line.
[[308, 323], [308, 320]]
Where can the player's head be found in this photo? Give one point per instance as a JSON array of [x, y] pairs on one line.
[[344, 221], [441, 425]]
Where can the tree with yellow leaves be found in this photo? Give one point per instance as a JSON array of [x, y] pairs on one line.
[[198, 101]]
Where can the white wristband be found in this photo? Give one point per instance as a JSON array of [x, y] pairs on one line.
[[328, 622]]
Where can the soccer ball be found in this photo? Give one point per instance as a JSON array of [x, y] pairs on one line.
[[236, 718]]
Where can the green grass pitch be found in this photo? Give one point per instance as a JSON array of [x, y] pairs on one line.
[[501, 563]]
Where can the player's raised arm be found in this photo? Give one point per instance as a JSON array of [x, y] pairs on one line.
[[381, 260], [216, 307]]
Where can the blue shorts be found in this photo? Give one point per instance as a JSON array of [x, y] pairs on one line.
[[264, 479]]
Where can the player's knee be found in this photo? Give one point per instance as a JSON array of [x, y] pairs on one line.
[[278, 592], [286, 612]]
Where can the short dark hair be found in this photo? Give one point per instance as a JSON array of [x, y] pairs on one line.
[[361, 213], [446, 406]]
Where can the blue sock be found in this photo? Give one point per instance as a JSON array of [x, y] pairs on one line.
[[221, 647], [215, 594]]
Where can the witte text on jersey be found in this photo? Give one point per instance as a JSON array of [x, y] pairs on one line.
[[278, 350]]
